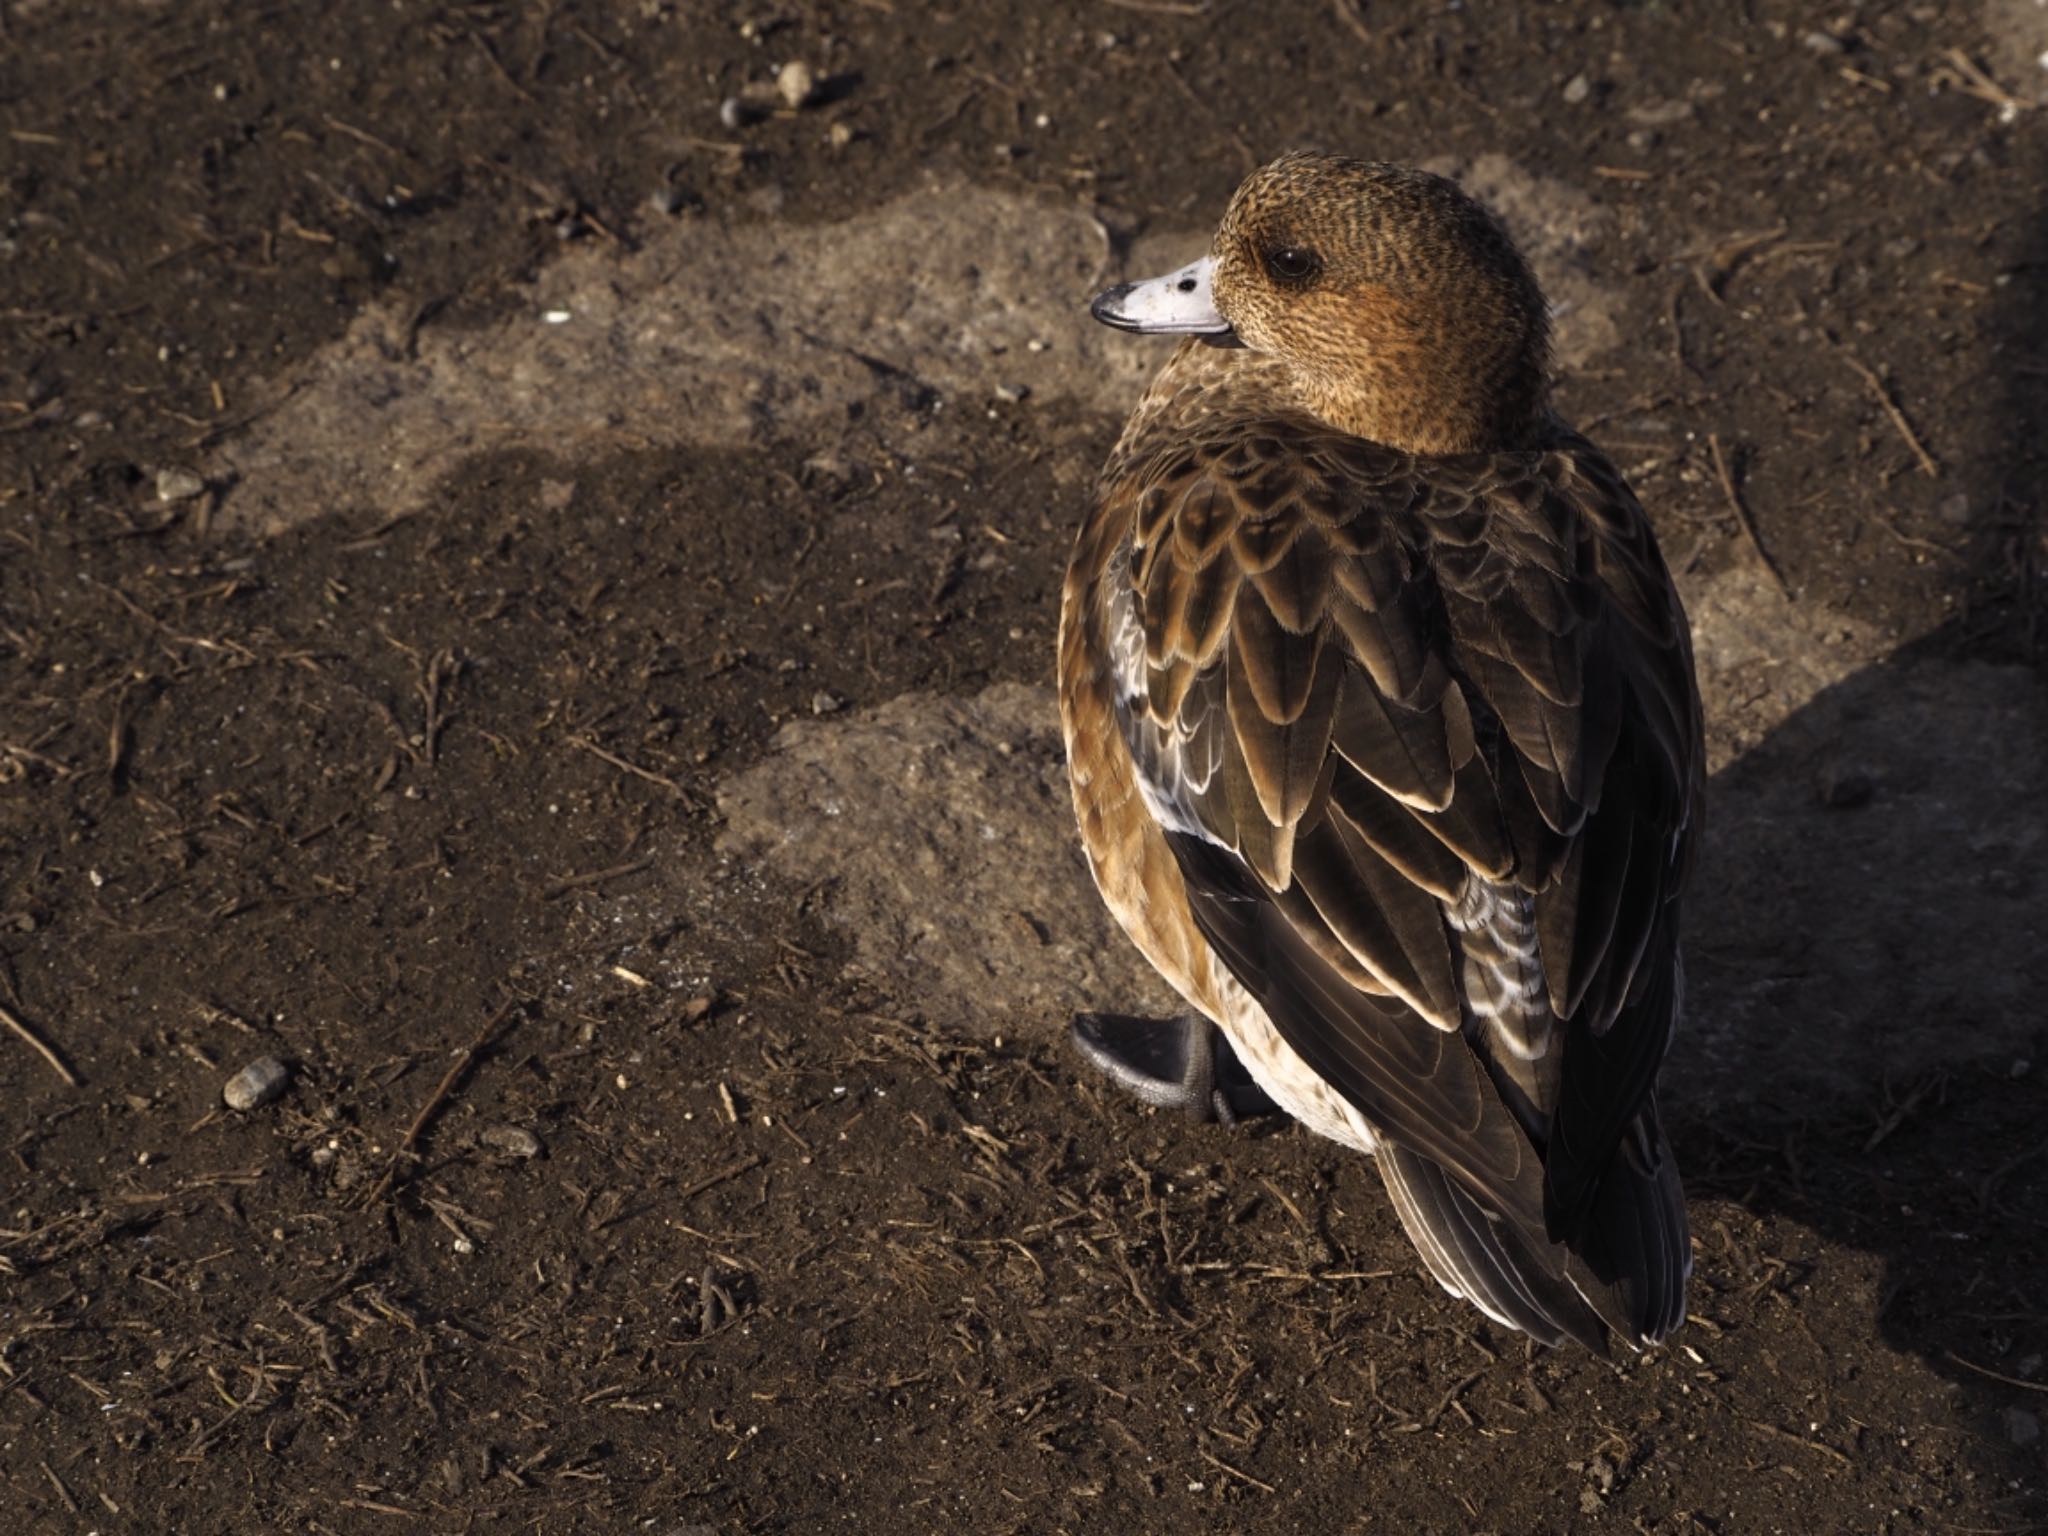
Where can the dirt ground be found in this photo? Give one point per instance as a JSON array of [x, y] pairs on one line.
[[531, 601]]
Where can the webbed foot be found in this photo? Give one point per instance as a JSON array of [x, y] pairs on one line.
[[1184, 1063]]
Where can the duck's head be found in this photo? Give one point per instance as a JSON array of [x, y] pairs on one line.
[[1402, 310]]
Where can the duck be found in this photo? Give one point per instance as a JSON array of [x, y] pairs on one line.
[[1385, 741]]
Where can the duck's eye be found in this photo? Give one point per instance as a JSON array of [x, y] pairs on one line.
[[1292, 263]]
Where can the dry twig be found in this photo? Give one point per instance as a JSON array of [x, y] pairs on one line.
[[435, 1100], [1742, 518], [42, 1048], [1928, 465]]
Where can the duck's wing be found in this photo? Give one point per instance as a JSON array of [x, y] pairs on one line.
[[1424, 739]]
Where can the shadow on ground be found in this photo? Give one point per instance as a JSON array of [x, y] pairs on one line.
[[1868, 952], [1864, 1038]]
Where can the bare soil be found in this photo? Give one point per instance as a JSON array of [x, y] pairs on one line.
[[581, 707]]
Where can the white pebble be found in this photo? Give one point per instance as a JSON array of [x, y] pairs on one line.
[[796, 83], [256, 1084], [178, 485]]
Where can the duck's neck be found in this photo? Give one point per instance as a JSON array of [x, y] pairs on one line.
[[1427, 406], [1434, 371]]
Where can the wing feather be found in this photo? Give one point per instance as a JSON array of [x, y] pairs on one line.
[[1375, 690]]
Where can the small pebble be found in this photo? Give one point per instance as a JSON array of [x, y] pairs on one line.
[[510, 1140], [839, 135], [1822, 44], [734, 113], [826, 702], [673, 200], [799, 87], [1659, 114], [257, 1084], [1842, 788], [1577, 89], [2021, 1427], [178, 485]]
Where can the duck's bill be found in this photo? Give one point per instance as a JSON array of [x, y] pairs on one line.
[[1180, 304]]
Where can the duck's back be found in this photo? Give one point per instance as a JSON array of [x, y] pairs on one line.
[[1412, 746]]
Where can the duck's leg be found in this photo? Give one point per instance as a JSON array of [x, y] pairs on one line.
[[1184, 1063]]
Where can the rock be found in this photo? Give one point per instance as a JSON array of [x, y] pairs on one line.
[[796, 84], [735, 113], [510, 1141], [1577, 89], [178, 485], [1842, 788], [2021, 1427], [261, 1082], [1659, 114]]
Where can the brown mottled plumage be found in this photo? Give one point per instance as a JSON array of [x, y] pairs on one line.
[[1384, 737]]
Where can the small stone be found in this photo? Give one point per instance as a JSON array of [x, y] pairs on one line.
[[510, 1141], [826, 702], [2005, 882], [1842, 788], [797, 85], [1577, 89], [178, 485], [828, 469], [839, 135], [1659, 114], [257, 1084], [1821, 44], [734, 113], [2021, 1427], [673, 200]]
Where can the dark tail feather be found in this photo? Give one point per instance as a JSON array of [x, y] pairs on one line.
[[1626, 1273], [1635, 1245], [1510, 1275]]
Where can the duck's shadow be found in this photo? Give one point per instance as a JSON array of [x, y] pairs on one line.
[[1867, 1010], [1866, 1040]]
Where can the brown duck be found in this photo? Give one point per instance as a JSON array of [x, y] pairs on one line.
[[1385, 741]]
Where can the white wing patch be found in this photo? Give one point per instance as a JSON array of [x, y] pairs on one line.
[[1503, 976], [1176, 764]]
